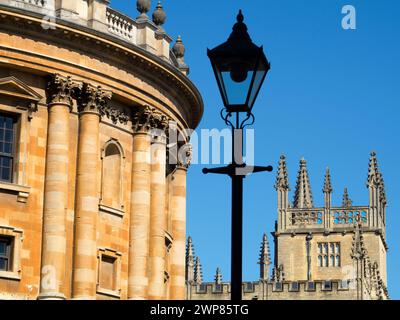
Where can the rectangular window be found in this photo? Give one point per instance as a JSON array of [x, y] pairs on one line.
[[310, 286], [328, 254], [249, 287], [8, 126], [5, 254], [107, 272], [327, 285], [278, 286], [202, 288], [294, 286], [218, 288], [344, 284]]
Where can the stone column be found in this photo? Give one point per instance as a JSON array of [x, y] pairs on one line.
[[178, 216], [140, 206], [156, 268], [91, 101], [59, 91]]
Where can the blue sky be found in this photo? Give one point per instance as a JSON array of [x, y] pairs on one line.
[[331, 96]]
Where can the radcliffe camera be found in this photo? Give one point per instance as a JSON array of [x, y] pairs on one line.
[[198, 158]]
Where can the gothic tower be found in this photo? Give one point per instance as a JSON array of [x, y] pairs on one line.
[[332, 252], [315, 243]]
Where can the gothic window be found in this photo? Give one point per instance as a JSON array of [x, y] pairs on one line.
[[326, 262], [8, 126], [319, 261], [328, 254], [112, 173], [338, 260]]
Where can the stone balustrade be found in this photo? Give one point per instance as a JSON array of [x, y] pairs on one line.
[[306, 218], [349, 216], [97, 15], [339, 217], [121, 25]]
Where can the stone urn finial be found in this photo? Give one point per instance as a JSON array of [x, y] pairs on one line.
[[179, 49], [143, 6], [159, 15]]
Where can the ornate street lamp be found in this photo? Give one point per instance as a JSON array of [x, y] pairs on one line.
[[240, 68]]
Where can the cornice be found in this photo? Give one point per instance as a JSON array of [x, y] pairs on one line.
[[152, 64]]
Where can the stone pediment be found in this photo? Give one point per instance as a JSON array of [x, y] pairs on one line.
[[22, 93], [13, 87]]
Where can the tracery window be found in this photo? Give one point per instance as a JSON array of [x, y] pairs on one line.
[[328, 254]]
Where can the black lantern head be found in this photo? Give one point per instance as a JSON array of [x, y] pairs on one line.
[[240, 68]]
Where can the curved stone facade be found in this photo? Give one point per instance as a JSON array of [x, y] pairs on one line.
[[89, 207]]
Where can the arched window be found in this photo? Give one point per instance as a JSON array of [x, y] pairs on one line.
[[332, 260], [326, 261], [112, 176], [338, 261]]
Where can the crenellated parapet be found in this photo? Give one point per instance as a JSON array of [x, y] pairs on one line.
[[282, 290]]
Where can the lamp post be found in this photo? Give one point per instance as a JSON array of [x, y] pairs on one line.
[[240, 68]]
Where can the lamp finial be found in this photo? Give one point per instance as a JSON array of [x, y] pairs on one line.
[[240, 17]]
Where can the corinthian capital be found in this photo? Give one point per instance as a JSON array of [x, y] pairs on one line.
[[142, 119], [149, 118], [62, 89], [93, 99], [160, 120]]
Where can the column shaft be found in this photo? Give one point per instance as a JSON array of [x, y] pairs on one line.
[[55, 202], [156, 290], [178, 215], [139, 217], [87, 203]]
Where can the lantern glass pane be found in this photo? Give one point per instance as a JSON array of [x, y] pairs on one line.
[[236, 92], [260, 74]]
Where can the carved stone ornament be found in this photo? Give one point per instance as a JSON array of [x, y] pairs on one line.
[[62, 89], [160, 121], [185, 155], [32, 108], [179, 49], [142, 119], [143, 6], [147, 118], [93, 99], [115, 115], [159, 15]]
